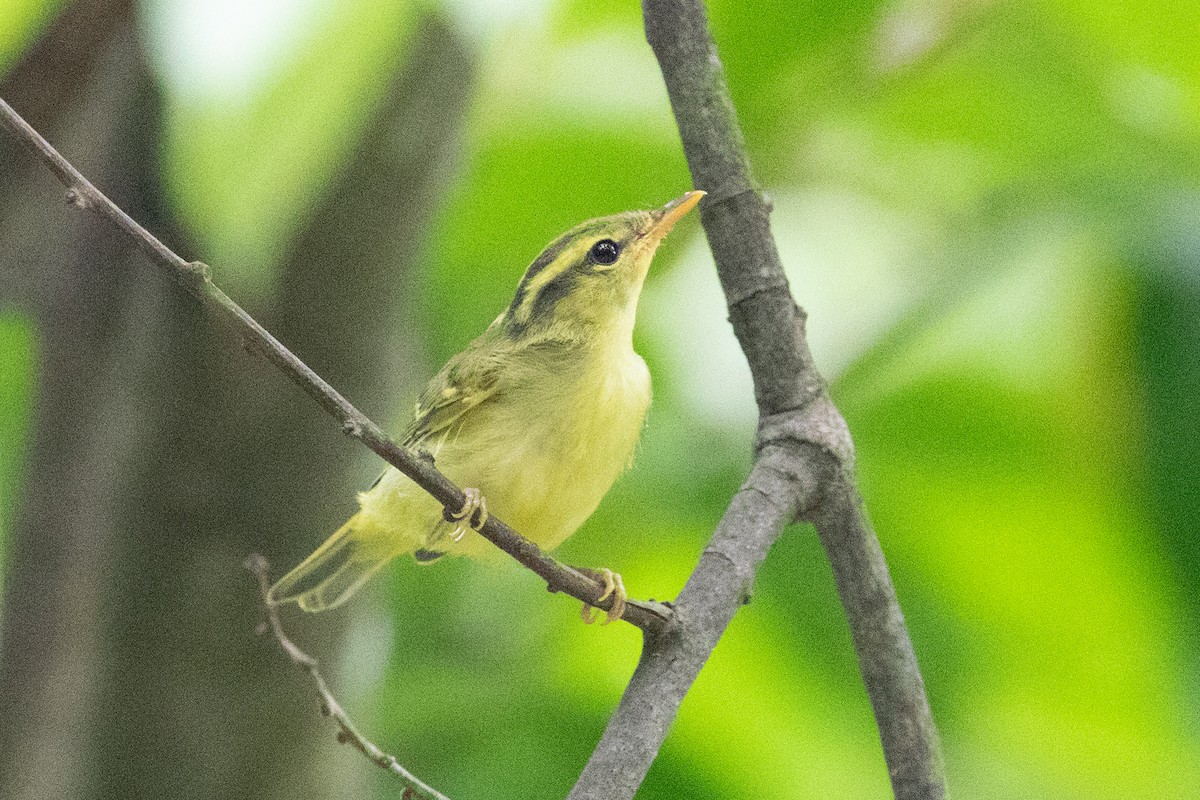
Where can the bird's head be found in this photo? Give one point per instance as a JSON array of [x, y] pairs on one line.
[[592, 275]]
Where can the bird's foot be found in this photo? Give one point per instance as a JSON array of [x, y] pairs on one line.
[[614, 587], [472, 514]]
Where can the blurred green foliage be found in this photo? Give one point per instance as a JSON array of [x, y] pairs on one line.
[[20, 22], [1024, 400], [17, 360], [247, 171]]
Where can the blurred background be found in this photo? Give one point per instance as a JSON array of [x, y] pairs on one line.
[[988, 208]]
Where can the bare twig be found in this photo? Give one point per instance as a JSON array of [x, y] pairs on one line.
[[415, 789], [196, 277], [803, 467]]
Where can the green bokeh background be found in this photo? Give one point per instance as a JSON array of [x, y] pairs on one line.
[[990, 211]]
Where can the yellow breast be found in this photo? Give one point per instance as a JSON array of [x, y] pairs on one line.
[[549, 447]]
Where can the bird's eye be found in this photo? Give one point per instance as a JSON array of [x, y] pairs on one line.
[[605, 252]]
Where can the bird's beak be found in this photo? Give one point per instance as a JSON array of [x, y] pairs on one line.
[[666, 217]]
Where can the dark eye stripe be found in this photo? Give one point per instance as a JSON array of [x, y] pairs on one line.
[[540, 263], [552, 292], [553, 249], [524, 310]]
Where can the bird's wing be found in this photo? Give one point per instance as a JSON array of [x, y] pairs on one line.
[[454, 391], [469, 379]]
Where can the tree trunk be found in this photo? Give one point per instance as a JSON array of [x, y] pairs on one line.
[[191, 456]]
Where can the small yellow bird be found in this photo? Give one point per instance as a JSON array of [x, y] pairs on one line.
[[539, 415]]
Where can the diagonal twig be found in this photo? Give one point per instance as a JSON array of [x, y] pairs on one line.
[[415, 788], [196, 277]]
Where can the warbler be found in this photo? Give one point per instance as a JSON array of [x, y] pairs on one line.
[[538, 416]]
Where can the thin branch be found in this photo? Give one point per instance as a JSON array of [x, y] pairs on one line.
[[347, 732], [196, 277], [803, 463]]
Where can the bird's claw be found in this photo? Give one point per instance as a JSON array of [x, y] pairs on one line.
[[473, 513], [614, 587]]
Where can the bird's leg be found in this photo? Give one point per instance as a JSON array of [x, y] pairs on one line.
[[472, 514], [613, 587]]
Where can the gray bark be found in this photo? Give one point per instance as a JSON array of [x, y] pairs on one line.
[[803, 462]]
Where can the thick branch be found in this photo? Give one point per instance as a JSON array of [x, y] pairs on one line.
[[347, 732], [85, 81], [803, 467], [671, 660], [197, 279]]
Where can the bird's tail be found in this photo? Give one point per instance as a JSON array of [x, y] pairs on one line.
[[328, 577]]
